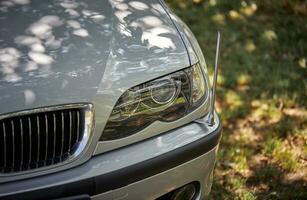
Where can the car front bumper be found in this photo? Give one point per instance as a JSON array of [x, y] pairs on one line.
[[145, 170]]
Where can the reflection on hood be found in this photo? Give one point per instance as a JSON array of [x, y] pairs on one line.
[[56, 52]]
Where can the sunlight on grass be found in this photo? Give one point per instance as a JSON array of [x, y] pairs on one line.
[[232, 99], [246, 195], [269, 35], [272, 145], [302, 63], [248, 10], [250, 46], [246, 135], [221, 79], [236, 157], [279, 152], [244, 79], [218, 18], [237, 183], [235, 15], [212, 2], [197, 1], [264, 113], [287, 160]]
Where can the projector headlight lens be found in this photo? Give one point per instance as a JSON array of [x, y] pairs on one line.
[[165, 99]]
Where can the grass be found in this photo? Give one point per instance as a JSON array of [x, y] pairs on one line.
[[262, 93]]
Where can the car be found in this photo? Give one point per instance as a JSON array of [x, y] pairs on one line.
[[103, 100]]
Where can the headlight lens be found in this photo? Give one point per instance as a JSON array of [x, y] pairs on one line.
[[165, 99]]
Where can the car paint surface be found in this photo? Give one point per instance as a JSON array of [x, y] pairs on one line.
[[92, 51], [165, 182], [82, 51]]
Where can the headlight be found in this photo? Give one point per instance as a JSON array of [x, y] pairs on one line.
[[165, 99]]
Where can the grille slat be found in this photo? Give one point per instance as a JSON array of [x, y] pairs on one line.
[[13, 143], [21, 148], [54, 134], [30, 141], [70, 129], [4, 144], [78, 126], [62, 141], [38, 139], [46, 138], [41, 139]]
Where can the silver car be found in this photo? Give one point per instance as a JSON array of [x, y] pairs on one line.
[[103, 99]]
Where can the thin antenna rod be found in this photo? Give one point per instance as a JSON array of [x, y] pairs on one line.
[[210, 119]]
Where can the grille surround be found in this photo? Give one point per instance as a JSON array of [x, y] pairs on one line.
[[86, 120]]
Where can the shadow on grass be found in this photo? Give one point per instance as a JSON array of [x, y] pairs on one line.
[[273, 183]]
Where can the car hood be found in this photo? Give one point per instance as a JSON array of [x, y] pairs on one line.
[[62, 52]]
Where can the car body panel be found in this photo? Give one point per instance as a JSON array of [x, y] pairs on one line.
[[92, 51], [82, 51], [198, 170], [186, 34], [69, 51]]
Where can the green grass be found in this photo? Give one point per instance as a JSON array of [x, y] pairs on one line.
[[262, 93]]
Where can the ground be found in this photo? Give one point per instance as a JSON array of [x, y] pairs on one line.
[[262, 93]]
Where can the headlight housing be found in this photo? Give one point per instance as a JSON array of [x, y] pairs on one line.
[[165, 99]]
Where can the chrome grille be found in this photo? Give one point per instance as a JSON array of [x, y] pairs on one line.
[[41, 138]]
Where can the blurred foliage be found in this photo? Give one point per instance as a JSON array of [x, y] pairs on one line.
[[262, 93]]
